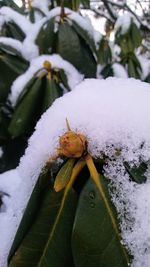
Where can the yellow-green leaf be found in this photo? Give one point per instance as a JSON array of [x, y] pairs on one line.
[[64, 175]]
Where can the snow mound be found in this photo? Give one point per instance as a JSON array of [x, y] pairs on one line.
[[113, 114]]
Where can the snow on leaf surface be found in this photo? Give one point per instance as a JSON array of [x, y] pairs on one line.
[[12, 43], [9, 14], [113, 114], [123, 22], [37, 64]]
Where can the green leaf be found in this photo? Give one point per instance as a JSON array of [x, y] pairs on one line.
[[29, 214], [74, 49], [46, 39], [135, 35], [6, 78], [51, 92], [32, 14], [104, 52], [25, 90], [17, 64], [64, 79], [107, 71], [68, 45], [133, 69], [10, 29], [85, 35], [94, 239], [75, 5], [85, 3], [64, 175], [25, 114], [137, 174], [10, 50], [47, 241], [50, 37]]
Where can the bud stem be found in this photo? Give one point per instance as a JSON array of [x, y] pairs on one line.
[[62, 12]]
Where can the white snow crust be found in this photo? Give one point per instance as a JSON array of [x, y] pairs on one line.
[[119, 71], [8, 14], [74, 77], [123, 22], [114, 115], [42, 5], [9, 213]]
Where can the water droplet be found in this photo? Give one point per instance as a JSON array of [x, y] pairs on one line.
[[92, 204], [92, 194]]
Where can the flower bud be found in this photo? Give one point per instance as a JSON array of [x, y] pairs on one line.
[[72, 144], [47, 65]]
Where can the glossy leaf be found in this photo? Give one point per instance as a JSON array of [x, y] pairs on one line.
[[25, 114], [135, 35], [64, 79], [47, 241], [133, 70], [64, 175], [8, 49], [107, 71], [5, 80], [46, 39], [32, 209], [74, 49], [17, 64], [85, 35], [12, 30], [94, 239], [104, 53], [52, 91], [25, 90]]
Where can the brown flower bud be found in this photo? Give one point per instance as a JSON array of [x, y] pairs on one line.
[[72, 144]]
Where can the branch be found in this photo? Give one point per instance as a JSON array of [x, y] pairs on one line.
[[142, 25], [102, 14], [111, 13]]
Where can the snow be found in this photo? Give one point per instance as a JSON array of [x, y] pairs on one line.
[[9, 14], [119, 71], [123, 22], [74, 77], [111, 119], [145, 64], [9, 212], [12, 43], [43, 5]]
